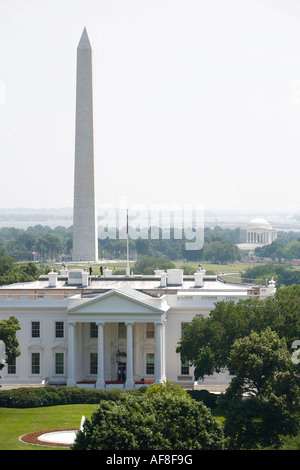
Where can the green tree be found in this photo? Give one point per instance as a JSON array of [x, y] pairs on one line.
[[6, 262], [10, 272], [283, 275], [262, 400], [167, 389], [149, 264], [159, 420], [8, 329], [23, 242], [292, 250], [207, 340], [274, 250], [51, 244], [31, 270], [218, 250], [290, 442]]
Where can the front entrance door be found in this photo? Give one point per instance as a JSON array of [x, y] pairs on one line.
[[122, 371]]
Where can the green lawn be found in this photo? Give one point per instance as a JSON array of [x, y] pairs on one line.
[[15, 422], [220, 268]]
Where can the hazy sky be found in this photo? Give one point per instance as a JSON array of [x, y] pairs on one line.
[[195, 101]]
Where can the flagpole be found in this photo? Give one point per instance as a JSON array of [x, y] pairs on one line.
[[127, 266]]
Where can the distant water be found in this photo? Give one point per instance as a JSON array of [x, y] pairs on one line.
[[24, 224], [24, 218]]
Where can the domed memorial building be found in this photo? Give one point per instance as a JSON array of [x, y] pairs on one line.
[[257, 233]]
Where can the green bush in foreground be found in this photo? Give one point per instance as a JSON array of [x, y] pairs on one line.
[[161, 419]]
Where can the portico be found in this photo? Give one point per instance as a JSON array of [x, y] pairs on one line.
[[121, 321], [258, 232]]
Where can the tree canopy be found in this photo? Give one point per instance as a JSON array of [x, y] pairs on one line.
[[8, 329], [207, 340], [284, 275], [10, 272], [280, 249], [217, 250], [262, 400], [160, 419], [254, 340], [149, 264]]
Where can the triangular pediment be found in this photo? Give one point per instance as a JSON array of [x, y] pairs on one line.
[[118, 302]]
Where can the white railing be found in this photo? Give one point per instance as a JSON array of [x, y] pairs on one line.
[[32, 297]]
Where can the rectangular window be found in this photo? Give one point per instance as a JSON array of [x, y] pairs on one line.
[[59, 363], [185, 369], [93, 363], [122, 330], [59, 329], [183, 326], [149, 330], [35, 329], [93, 330], [150, 363], [35, 363], [11, 366]]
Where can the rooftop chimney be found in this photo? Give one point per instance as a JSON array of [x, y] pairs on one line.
[[52, 278], [175, 277]]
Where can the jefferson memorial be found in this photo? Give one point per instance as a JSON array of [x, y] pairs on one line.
[[257, 233]]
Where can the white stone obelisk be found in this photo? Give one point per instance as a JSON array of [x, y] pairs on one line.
[[85, 230]]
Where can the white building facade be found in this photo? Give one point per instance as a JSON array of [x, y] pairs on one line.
[[110, 331]]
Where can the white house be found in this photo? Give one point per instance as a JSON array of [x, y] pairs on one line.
[[110, 331]]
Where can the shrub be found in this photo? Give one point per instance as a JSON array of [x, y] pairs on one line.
[[29, 397], [163, 419]]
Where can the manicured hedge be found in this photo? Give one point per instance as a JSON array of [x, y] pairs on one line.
[[33, 397]]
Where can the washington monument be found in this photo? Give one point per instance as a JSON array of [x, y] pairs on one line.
[[85, 231]]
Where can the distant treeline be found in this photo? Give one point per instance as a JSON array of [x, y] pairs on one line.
[[281, 249], [284, 275], [219, 245]]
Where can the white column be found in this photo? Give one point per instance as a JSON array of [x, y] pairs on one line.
[[71, 356], [164, 351], [100, 383], [129, 384], [158, 355], [80, 359]]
